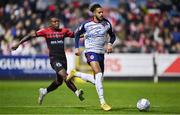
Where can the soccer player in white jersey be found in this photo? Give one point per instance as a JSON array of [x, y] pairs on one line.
[[95, 32]]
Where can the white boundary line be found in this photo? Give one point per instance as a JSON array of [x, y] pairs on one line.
[[28, 106]]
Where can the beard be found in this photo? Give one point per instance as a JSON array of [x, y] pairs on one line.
[[99, 18]]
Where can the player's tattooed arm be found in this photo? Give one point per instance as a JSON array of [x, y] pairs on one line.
[[24, 39]]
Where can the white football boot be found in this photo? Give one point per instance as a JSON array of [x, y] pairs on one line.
[[42, 93]]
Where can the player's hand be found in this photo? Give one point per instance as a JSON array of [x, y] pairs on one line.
[[109, 48], [82, 35], [15, 47], [77, 52]]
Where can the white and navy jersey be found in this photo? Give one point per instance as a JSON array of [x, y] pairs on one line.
[[95, 35]]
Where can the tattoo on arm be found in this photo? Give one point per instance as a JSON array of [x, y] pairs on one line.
[[27, 37]]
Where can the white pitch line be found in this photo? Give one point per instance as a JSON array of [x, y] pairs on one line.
[[43, 106], [60, 114]]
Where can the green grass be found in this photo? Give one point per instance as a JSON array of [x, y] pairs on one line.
[[20, 97]]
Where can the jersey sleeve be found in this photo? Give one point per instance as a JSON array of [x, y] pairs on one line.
[[41, 32], [80, 30], [111, 34], [69, 33]]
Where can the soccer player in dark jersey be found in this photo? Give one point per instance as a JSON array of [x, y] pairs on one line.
[[95, 33], [55, 41]]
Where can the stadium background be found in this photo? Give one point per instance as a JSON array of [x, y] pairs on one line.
[[147, 47]]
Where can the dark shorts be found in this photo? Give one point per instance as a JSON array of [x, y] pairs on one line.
[[58, 64], [91, 56]]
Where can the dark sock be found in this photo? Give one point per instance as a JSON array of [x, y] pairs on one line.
[[54, 85], [71, 85]]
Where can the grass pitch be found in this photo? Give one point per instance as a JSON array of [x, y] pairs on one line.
[[20, 97]]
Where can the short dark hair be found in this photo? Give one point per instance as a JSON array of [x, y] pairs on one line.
[[94, 6], [52, 16]]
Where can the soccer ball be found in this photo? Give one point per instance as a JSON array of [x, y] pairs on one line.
[[143, 104]]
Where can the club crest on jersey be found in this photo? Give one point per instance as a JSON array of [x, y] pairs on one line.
[[58, 64], [91, 57]]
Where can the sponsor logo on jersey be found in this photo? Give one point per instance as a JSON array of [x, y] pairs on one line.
[[56, 42]]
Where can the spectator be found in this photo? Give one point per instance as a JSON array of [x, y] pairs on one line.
[[143, 26]]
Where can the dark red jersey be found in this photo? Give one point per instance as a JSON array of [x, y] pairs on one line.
[[55, 39]]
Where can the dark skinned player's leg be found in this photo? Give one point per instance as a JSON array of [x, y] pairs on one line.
[[57, 66], [55, 84], [71, 85], [60, 66]]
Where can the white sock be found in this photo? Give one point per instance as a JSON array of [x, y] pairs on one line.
[[77, 93], [99, 87], [86, 77], [45, 91]]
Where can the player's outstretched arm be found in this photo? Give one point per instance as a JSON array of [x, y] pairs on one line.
[[24, 39], [78, 34], [112, 39]]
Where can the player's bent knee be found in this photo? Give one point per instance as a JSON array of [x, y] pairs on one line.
[[59, 82], [63, 77]]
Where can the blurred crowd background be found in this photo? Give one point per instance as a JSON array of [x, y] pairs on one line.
[[141, 26]]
